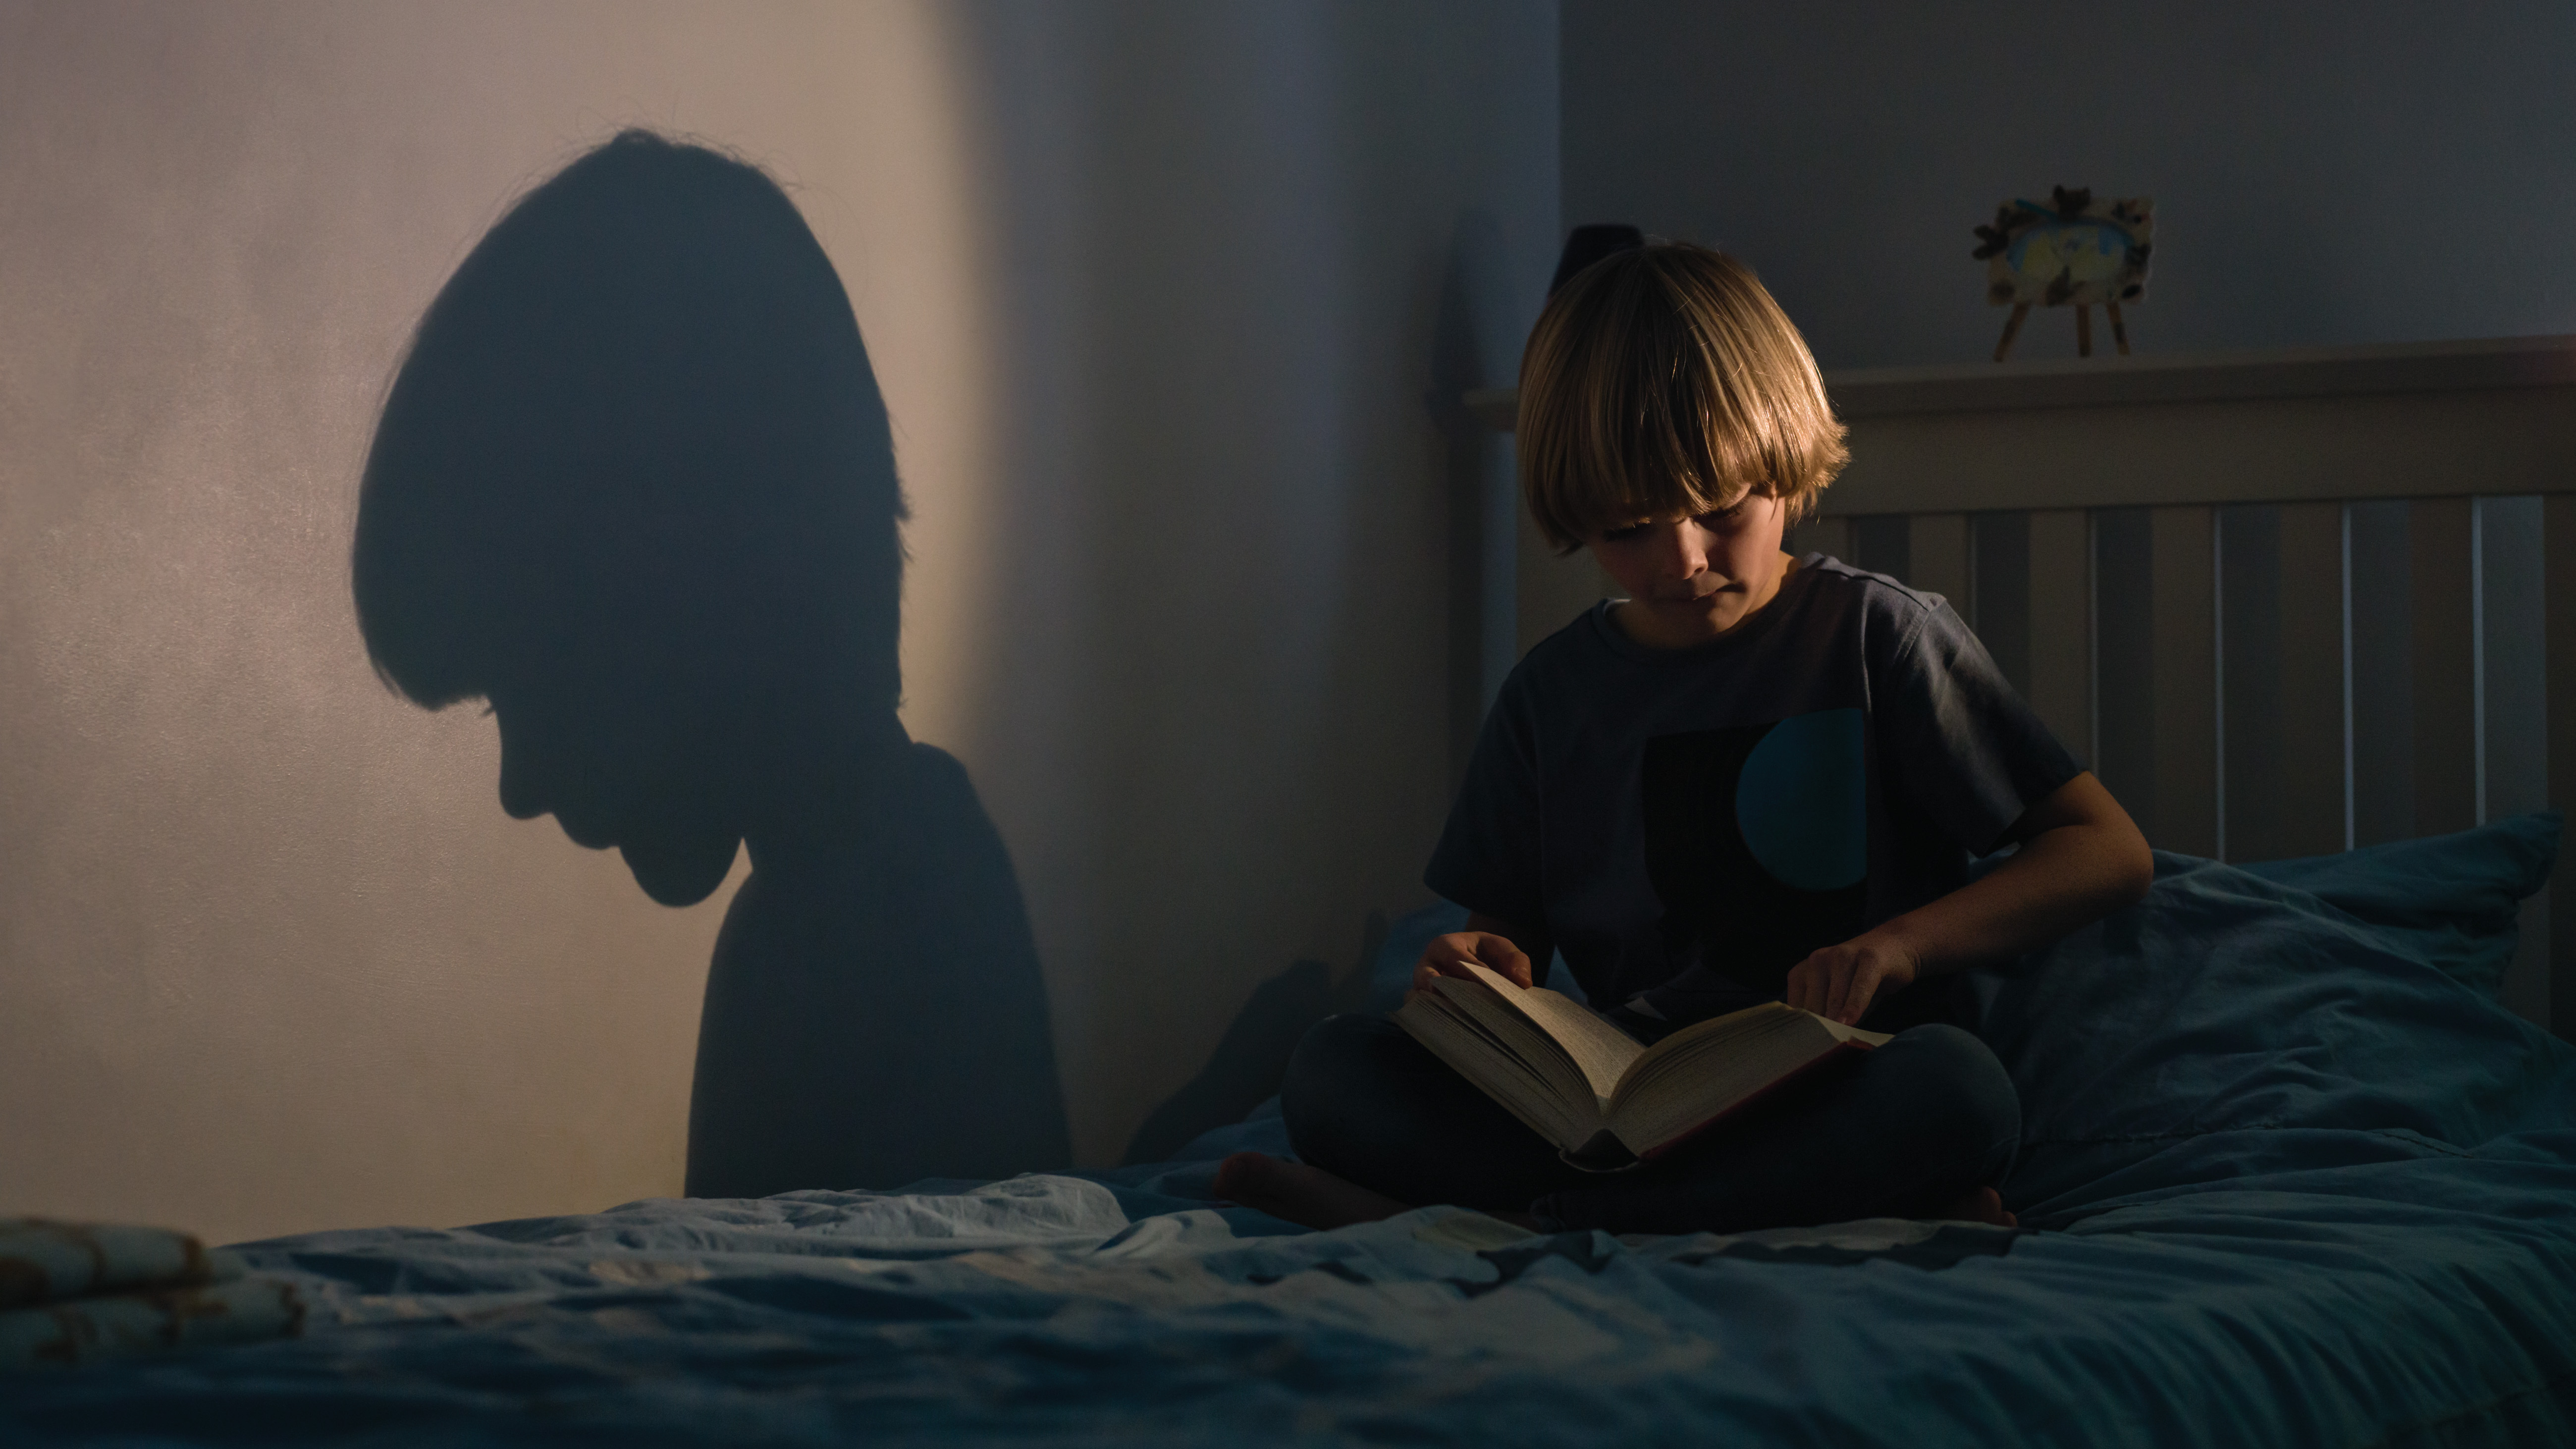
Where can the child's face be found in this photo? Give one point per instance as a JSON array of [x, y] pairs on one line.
[[1690, 579]]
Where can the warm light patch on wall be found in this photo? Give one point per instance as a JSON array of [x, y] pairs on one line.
[[912, 252]]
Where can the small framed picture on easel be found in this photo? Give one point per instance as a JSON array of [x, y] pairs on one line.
[[2075, 252]]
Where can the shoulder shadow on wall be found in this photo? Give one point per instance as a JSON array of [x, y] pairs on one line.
[[635, 487]]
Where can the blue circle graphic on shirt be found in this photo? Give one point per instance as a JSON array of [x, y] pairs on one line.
[[1800, 801]]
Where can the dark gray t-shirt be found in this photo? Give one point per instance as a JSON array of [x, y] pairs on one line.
[[1689, 824]]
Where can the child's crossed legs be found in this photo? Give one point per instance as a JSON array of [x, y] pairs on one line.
[[1921, 1127]]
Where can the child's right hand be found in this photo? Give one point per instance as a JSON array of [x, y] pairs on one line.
[[1448, 955]]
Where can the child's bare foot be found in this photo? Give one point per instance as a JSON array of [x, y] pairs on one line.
[[1985, 1205], [1308, 1196]]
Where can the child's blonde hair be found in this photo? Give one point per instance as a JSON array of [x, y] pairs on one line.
[[1663, 380]]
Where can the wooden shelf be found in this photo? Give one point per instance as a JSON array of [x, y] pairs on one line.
[[2413, 367]]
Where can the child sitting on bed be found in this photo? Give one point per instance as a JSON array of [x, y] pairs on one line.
[[1755, 778]]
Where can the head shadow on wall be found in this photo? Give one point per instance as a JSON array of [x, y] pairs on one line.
[[634, 486]]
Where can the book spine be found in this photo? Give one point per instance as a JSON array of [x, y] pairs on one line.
[[1834, 1053]]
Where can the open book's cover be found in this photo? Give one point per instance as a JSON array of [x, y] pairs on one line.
[[1834, 1053]]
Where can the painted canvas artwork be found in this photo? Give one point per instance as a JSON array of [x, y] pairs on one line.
[[2078, 251]]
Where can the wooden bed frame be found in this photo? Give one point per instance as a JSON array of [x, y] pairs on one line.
[[2283, 603]]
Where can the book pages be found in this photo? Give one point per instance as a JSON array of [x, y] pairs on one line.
[[1601, 1050], [1569, 1075], [1438, 1021]]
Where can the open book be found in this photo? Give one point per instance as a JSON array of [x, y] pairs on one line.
[[1586, 1086]]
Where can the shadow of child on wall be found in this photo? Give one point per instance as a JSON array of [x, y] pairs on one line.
[[634, 486]]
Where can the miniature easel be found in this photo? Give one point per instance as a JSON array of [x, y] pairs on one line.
[[2083, 329]]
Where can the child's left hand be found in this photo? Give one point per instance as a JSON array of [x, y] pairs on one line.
[[1839, 982]]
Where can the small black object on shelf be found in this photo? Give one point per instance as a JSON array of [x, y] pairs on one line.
[[1588, 244]]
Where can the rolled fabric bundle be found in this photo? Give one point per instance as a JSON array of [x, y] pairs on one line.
[[45, 1261], [71, 1293], [245, 1310]]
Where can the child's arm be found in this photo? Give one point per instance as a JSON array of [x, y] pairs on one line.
[[2081, 858]]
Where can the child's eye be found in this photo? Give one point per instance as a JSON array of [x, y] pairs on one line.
[[1721, 515], [1622, 535]]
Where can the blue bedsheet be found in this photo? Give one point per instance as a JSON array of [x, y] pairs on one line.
[[2296, 1180]]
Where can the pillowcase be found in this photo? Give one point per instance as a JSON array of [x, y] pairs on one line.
[[2453, 899], [2230, 1028]]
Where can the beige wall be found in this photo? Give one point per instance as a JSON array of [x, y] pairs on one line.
[[1152, 295]]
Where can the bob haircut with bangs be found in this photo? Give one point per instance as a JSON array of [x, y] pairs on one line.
[[1662, 381]]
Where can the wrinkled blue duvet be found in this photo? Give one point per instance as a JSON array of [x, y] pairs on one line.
[[2291, 1177]]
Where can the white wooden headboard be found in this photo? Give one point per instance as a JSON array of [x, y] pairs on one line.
[[2283, 603]]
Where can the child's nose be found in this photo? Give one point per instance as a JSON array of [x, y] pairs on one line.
[[1685, 552]]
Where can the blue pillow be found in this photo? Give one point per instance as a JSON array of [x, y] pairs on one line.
[[2452, 899], [2230, 1026]]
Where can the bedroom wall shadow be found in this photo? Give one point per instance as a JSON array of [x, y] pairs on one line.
[[635, 486]]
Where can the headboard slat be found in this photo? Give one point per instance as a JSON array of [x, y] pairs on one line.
[[2446, 742], [2309, 580], [2382, 659], [2061, 626], [1938, 559], [2183, 596], [2558, 629], [2253, 813], [1999, 590]]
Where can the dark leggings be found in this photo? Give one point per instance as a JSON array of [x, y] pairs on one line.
[[1902, 1131]]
